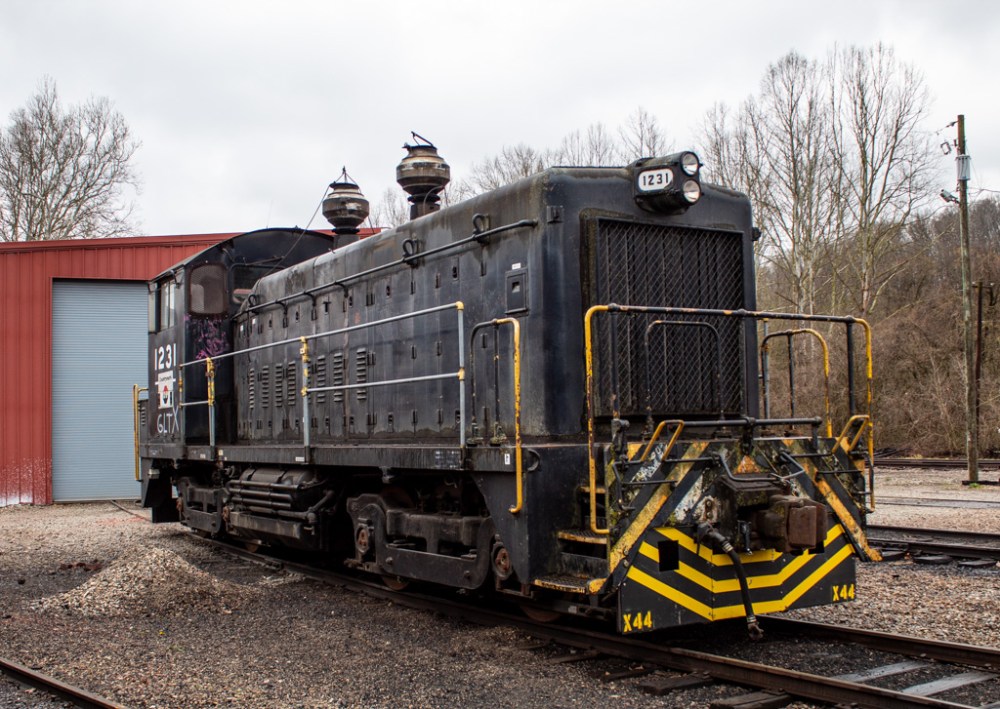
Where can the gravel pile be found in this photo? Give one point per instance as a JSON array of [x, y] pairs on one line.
[[147, 580], [152, 617]]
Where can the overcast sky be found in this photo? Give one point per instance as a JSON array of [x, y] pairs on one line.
[[246, 110]]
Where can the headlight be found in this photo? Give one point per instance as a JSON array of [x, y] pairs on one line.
[[689, 164], [692, 191], [668, 185]]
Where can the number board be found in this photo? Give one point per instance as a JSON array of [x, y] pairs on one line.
[[654, 180]]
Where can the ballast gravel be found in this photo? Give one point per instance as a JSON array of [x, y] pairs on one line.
[[150, 616]]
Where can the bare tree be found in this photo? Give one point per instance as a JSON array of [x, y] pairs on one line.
[[640, 137], [776, 149], [65, 174], [513, 163], [884, 159], [793, 119], [921, 395], [732, 155], [391, 209], [595, 146], [834, 160]]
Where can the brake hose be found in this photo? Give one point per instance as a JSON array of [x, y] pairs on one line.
[[707, 531]]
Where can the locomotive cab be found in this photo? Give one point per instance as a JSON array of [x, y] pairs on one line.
[[189, 320], [191, 310]]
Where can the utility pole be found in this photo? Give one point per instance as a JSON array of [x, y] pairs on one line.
[[971, 428]]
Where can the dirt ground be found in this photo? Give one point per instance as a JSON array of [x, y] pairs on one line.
[[894, 486]]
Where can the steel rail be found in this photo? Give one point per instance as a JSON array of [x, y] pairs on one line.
[[963, 545], [891, 462], [936, 502], [954, 534], [940, 650], [65, 692], [792, 682], [727, 669]]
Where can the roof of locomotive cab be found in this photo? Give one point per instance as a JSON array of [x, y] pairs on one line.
[[218, 252]]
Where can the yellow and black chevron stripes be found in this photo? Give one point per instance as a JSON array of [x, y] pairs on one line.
[[703, 585], [641, 521]]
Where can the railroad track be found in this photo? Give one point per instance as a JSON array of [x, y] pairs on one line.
[[934, 502], [955, 544], [899, 656], [889, 462], [957, 665], [953, 667], [60, 690]]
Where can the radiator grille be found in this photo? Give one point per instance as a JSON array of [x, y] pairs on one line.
[[361, 371], [320, 376], [279, 385], [338, 375], [265, 387], [653, 265], [291, 390]]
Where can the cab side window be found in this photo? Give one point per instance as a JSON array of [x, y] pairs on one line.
[[163, 305], [207, 290]]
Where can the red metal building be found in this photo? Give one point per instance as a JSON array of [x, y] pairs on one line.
[[27, 273]]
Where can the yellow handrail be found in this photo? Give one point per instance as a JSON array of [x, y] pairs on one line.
[[857, 436], [589, 363], [136, 389], [304, 392], [592, 460], [826, 366], [210, 376], [656, 437], [518, 458], [869, 372]]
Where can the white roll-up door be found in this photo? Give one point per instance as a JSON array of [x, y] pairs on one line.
[[98, 353]]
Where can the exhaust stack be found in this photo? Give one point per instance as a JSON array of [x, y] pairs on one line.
[[345, 207], [422, 174]]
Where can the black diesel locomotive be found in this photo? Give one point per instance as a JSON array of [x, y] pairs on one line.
[[551, 391]]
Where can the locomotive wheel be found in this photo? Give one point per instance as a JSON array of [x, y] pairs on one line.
[[252, 546], [539, 614], [395, 583]]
